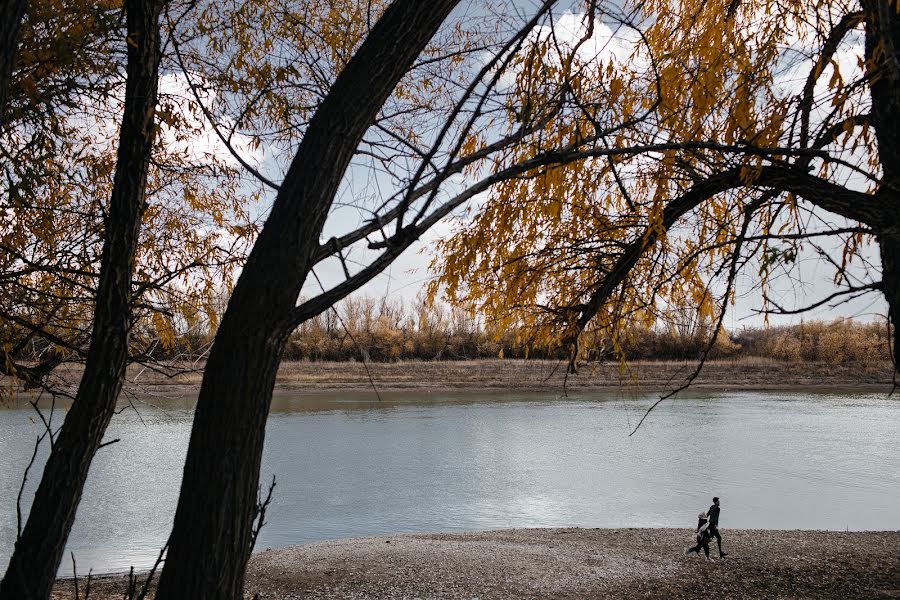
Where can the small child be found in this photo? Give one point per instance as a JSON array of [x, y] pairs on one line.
[[703, 536]]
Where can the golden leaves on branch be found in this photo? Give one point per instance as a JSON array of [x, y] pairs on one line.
[[712, 84]]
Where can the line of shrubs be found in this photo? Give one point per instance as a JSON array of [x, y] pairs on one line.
[[375, 330]]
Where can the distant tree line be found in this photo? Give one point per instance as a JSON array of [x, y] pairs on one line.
[[390, 331], [380, 330]]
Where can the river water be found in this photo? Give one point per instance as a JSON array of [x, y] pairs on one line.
[[347, 466]]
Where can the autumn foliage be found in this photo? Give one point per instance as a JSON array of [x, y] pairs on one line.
[[374, 329], [713, 138], [386, 333]]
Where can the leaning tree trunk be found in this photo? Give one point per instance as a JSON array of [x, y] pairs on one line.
[[882, 46], [36, 557], [210, 541], [889, 246], [11, 14]]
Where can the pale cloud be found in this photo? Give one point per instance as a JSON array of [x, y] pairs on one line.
[[202, 142], [605, 45]]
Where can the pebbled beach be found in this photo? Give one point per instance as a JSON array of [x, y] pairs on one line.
[[572, 563]]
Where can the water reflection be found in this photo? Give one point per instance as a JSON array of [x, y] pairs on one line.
[[348, 465]]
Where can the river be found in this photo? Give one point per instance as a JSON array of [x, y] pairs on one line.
[[348, 466]]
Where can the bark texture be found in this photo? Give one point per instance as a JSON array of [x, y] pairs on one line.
[[882, 46], [889, 247], [36, 557], [11, 14], [210, 541]]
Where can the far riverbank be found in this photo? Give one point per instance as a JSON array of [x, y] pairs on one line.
[[544, 376], [298, 377]]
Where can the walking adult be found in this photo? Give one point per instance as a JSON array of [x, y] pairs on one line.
[[713, 514], [702, 536]]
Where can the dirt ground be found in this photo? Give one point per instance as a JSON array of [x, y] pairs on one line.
[[574, 564]]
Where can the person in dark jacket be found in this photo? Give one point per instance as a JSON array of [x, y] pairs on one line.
[[703, 536], [713, 513]]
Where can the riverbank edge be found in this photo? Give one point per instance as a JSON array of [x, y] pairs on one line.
[[524, 376], [571, 563]]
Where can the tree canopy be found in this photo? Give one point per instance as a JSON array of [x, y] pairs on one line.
[[714, 137]]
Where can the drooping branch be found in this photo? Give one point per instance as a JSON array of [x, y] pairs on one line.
[[733, 268], [837, 199], [847, 23]]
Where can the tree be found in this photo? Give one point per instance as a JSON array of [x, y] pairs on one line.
[[59, 143], [435, 172], [58, 147], [208, 550], [38, 551], [724, 164]]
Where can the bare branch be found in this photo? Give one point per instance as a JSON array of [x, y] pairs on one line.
[[261, 506], [852, 291]]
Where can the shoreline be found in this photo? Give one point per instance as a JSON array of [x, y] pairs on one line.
[[571, 563], [499, 375]]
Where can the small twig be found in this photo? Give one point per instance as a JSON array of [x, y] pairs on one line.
[[352, 339], [37, 444], [134, 408], [130, 590], [109, 443], [261, 507], [159, 560], [553, 370], [891, 355], [87, 585], [47, 423], [74, 574]]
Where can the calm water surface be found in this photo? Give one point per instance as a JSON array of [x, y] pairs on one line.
[[347, 467]]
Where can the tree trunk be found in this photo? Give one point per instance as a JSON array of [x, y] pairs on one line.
[[889, 245], [210, 541], [11, 14], [36, 557], [882, 49], [882, 46]]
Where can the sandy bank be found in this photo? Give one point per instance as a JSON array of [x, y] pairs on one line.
[[575, 563], [540, 375], [525, 375], [516, 375]]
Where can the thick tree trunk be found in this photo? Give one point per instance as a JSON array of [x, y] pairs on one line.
[[11, 14], [210, 542], [882, 22], [890, 281], [35, 560]]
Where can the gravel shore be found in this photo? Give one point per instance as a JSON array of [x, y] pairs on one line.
[[573, 563]]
